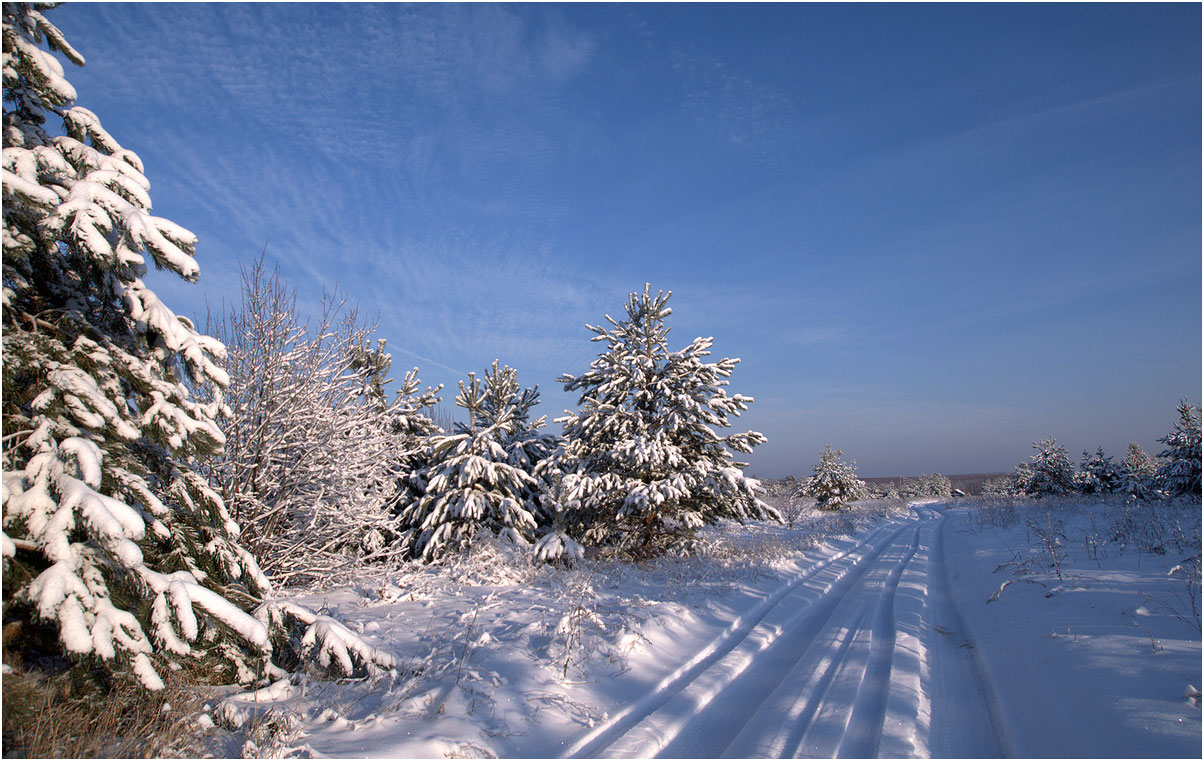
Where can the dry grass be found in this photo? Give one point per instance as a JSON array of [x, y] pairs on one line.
[[65, 716]]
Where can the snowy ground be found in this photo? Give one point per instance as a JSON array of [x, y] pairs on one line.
[[852, 635]]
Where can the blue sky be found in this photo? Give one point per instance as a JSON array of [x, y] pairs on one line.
[[932, 233]]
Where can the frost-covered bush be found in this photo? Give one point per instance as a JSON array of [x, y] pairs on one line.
[[1179, 474], [316, 456], [642, 465], [834, 483], [109, 535], [474, 484], [1050, 470]]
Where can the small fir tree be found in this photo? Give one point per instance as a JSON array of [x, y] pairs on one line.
[[834, 483], [1051, 469], [1022, 479], [1179, 474], [642, 464], [473, 485], [1137, 472], [527, 444], [1098, 474]]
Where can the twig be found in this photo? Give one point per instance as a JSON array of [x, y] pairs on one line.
[[1009, 582]]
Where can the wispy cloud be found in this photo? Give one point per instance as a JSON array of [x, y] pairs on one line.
[[366, 139], [749, 114]]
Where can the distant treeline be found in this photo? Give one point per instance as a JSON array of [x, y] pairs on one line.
[[970, 483]]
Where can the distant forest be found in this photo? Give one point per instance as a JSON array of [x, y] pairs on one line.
[[970, 483]]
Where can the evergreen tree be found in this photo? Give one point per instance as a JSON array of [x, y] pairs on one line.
[[642, 464], [1022, 479], [473, 486], [1051, 469], [1137, 472], [936, 485], [1098, 474], [109, 535], [1179, 475], [528, 446], [834, 483], [1004, 486]]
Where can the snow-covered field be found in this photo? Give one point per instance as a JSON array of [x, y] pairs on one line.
[[863, 634]]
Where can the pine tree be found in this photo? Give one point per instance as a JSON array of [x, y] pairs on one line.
[[1179, 475], [527, 444], [473, 485], [936, 485], [1004, 486], [1137, 472], [642, 464], [1051, 469], [834, 483], [1098, 474], [1022, 479], [109, 534]]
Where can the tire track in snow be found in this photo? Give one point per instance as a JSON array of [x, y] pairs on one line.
[[757, 692], [961, 707], [757, 740], [811, 712], [864, 730], [850, 710], [594, 743]]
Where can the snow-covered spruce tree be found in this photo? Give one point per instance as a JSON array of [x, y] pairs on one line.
[[834, 484], [316, 456], [1179, 474], [473, 485], [1137, 472], [1098, 473], [1051, 470], [111, 542], [642, 464]]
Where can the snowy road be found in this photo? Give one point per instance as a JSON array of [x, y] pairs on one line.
[[864, 654]]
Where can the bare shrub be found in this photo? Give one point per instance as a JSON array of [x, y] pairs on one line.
[[1170, 529]]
